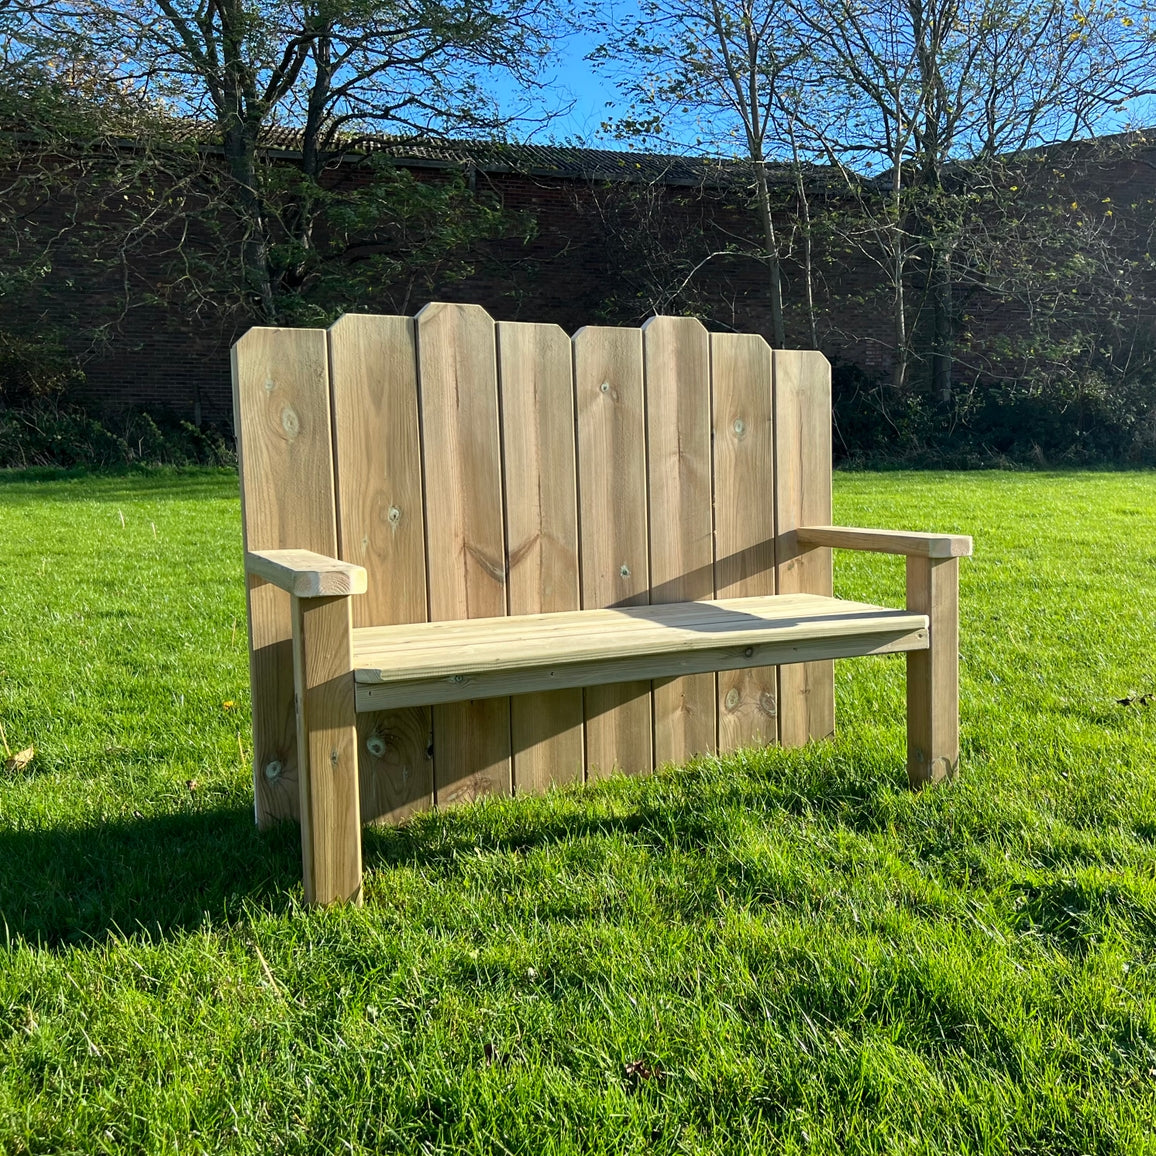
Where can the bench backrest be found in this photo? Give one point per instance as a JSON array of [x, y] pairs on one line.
[[479, 468]]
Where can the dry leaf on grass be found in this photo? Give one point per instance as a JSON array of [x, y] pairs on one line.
[[20, 760], [638, 1070]]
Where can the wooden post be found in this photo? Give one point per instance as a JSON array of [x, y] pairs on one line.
[[327, 750], [933, 674]]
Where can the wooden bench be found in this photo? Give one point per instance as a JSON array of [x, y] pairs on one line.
[[486, 557]]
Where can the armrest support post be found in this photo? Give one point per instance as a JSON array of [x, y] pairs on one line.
[[327, 749], [933, 674]]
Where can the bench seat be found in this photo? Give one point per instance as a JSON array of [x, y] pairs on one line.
[[440, 662]]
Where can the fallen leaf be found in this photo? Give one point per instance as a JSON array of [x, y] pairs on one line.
[[638, 1070], [20, 759]]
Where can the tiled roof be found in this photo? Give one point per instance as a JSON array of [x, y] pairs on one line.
[[563, 161]]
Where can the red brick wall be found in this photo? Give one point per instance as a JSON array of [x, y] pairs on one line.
[[574, 270]]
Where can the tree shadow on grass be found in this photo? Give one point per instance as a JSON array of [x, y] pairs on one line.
[[142, 876]]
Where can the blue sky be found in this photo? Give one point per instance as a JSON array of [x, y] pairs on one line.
[[570, 80]]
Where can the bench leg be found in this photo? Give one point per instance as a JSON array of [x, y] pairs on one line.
[[933, 674], [327, 750]]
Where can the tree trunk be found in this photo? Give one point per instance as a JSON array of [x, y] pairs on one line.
[[899, 318], [808, 263], [943, 336], [778, 330], [241, 155]]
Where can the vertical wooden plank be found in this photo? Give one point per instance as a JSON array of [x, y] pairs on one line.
[[744, 512], [933, 674], [381, 526], [465, 536], [803, 497], [612, 533], [535, 375], [327, 740], [678, 416], [285, 458]]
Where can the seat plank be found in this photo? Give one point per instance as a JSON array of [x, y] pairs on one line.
[[678, 420], [536, 386], [527, 652]]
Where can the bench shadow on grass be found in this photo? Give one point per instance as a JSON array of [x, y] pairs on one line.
[[155, 877], [147, 877]]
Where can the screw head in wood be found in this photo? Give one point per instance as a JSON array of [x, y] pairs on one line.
[[605, 387], [625, 571]]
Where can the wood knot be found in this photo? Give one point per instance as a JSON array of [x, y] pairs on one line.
[[375, 744], [273, 770], [732, 699], [290, 422], [624, 571]]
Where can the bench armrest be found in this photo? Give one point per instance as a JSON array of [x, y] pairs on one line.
[[886, 541], [306, 574]]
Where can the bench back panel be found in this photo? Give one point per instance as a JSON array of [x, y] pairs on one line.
[[285, 455], [744, 520], [381, 526], [483, 468], [613, 535], [803, 498], [535, 375]]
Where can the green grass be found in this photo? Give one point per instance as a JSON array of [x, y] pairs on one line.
[[805, 956]]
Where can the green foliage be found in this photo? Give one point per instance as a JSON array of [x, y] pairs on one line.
[[780, 951], [384, 240], [52, 435], [34, 368], [1083, 419]]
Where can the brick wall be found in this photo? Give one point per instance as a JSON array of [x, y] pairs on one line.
[[576, 269]]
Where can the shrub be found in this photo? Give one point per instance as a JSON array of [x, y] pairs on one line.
[[1085, 420], [46, 434]]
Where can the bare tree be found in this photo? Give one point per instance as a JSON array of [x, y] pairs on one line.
[[328, 70], [926, 93], [714, 67]]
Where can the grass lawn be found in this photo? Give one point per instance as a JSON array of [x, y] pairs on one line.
[[776, 952]]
